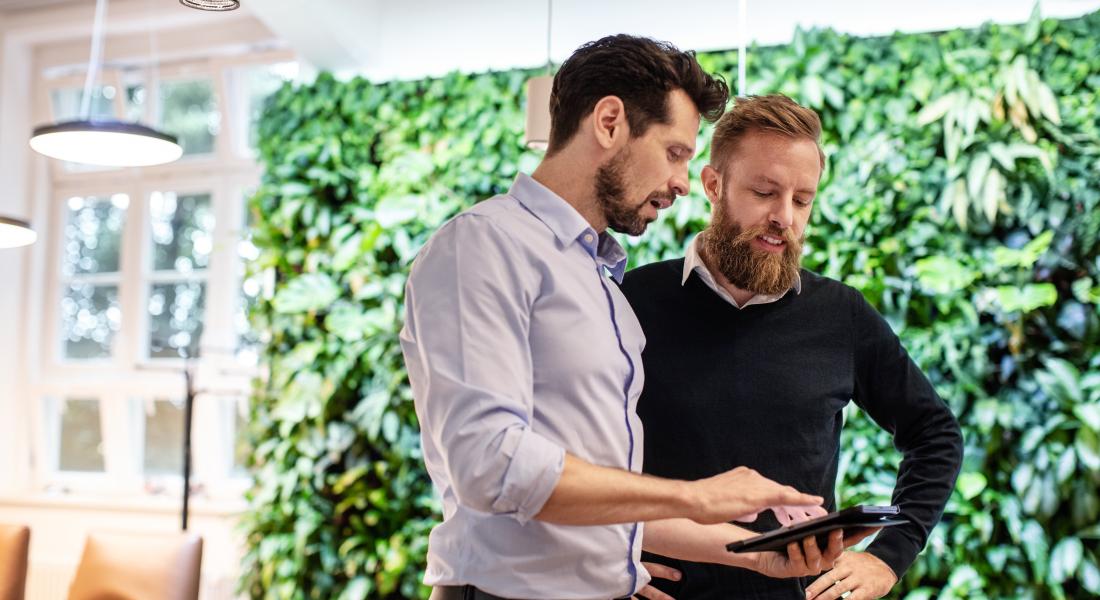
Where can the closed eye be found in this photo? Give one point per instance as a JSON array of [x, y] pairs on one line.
[[680, 153]]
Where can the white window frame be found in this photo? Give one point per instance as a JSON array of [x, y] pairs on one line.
[[130, 374]]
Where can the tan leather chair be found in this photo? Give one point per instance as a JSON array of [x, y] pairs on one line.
[[15, 542], [128, 566]]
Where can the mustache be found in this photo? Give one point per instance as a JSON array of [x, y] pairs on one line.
[[660, 196], [756, 231]]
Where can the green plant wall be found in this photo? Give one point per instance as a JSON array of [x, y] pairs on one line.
[[962, 198]]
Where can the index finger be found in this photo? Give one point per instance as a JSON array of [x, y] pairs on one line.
[[812, 552], [795, 556], [835, 547], [662, 571], [651, 593], [788, 495], [819, 585]]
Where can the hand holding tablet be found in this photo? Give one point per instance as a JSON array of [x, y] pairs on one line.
[[851, 520]]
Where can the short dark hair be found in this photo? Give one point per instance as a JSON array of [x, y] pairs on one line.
[[639, 71], [774, 113]]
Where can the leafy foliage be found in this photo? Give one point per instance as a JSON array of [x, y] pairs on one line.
[[961, 198]]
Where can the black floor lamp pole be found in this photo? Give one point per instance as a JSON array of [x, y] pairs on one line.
[[189, 402], [188, 409]]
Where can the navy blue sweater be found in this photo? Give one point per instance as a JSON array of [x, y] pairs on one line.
[[764, 387]]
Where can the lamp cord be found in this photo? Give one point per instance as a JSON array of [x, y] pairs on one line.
[[742, 54], [153, 88], [549, 29], [94, 60]]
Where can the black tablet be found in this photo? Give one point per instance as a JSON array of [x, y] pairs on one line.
[[851, 520]]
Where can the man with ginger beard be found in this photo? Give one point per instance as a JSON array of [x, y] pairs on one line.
[[750, 360]]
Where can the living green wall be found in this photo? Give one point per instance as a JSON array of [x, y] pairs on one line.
[[962, 197]]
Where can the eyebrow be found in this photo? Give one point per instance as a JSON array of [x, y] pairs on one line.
[[770, 181]]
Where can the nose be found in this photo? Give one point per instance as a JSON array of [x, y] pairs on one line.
[[782, 215], [680, 184]]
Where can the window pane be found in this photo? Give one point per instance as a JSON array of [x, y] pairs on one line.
[[90, 317], [182, 227], [248, 339], [135, 98], [93, 234], [189, 111], [81, 439], [66, 103], [175, 319], [163, 437]]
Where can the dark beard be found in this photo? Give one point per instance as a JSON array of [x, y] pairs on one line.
[[610, 191], [728, 249]]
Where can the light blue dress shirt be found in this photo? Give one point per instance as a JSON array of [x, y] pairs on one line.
[[520, 349]]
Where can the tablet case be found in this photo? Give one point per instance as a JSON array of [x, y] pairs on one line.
[[852, 520]]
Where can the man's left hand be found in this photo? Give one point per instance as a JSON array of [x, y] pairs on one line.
[[864, 575], [657, 571]]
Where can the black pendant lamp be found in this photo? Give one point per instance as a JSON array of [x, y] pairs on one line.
[[214, 5], [103, 142]]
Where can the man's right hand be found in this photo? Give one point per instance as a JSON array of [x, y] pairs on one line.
[[805, 558], [740, 495]]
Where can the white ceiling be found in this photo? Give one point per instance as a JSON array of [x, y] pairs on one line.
[[388, 39], [28, 4]]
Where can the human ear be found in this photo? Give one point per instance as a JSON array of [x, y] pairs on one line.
[[712, 183], [609, 123]]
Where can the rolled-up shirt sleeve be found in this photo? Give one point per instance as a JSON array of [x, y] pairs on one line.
[[467, 315]]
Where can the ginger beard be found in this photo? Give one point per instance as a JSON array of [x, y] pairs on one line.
[[729, 248], [610, 192]]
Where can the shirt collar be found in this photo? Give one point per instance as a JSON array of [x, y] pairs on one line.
[[568, 225], [694, 262]]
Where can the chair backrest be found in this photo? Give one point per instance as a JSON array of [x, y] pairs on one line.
[[128, 566], [15, 542]]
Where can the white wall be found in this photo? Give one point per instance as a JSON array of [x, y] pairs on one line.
[[15, 201], [383, 39]]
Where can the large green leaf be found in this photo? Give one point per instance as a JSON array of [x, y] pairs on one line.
[[1089, 415], [310, 292], [943, 275], [971, 484], [1027, 298], [1065, 559]]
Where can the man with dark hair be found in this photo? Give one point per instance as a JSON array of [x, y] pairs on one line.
[[525, 361], [753, 360], [643, 73]]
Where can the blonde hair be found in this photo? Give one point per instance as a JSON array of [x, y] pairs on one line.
[[773, 113]]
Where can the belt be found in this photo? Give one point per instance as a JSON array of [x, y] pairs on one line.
[[466, 592]]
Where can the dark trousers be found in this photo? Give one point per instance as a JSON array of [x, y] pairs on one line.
[[460, 592]]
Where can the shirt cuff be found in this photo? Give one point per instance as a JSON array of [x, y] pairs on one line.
[[534, 468]]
